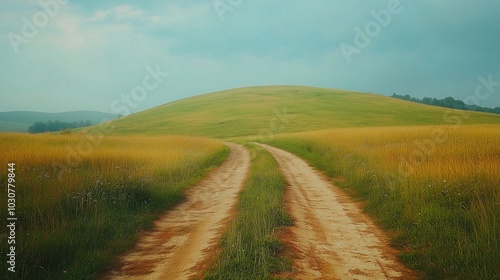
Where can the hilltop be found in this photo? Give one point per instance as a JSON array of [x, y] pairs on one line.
[[274, 109]]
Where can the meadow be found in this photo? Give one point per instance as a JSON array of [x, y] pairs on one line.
[[80, 202], [435, 189], [428, 175]]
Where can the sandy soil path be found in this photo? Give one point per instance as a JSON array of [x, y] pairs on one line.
[[331, 237], [182, 240]]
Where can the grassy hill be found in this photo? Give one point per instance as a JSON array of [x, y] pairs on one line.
[[273, 109], [19, 121]]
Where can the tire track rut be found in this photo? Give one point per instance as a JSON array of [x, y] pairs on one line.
[[332, 238], [183, 239]]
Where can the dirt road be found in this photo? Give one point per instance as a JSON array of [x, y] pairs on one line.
[[182, 240], [331, 237]]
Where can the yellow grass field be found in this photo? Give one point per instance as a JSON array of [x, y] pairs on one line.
[[420, 153], [82, 198], [437, 188]]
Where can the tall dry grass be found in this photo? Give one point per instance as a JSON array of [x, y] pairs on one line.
[[437, 188], [81, 200]]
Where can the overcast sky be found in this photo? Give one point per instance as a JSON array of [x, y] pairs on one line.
[[112, 55]]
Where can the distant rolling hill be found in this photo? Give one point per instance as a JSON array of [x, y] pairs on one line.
[[19, 121], [273, 109]]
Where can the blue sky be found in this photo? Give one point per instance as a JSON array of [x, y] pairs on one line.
[[90, 55]]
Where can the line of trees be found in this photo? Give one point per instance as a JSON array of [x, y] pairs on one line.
[[448, 102], [51, 126]]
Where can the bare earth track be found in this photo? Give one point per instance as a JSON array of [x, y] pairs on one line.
[[331, 237], [183, 238]]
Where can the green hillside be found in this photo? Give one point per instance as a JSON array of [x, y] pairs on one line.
[[273, 109]]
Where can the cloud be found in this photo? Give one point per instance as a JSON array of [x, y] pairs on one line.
[[94, 51], [74, 64], [172, 14], [121, 12], [166, 15]]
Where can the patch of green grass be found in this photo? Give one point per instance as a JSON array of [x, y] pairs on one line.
[[264, 111], [250, 248]]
